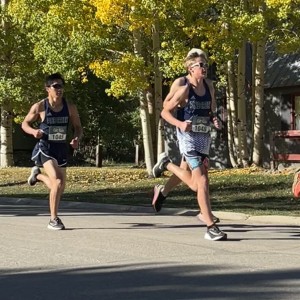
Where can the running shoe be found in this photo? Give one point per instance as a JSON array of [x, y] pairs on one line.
[[296, 185], [215, 219], [56, 224], [158, 198], [161, 164], [32, 179], [215, 234]]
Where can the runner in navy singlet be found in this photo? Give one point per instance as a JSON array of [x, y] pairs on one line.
[[53, 144], [160, 192], [197, 107], [54, 115]]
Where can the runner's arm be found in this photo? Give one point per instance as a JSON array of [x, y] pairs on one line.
[[174, 87], [32, 116], [76, 123], [213, 104], [213, 97], [178, 99]]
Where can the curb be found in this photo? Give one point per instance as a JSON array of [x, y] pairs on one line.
[[228, 216]]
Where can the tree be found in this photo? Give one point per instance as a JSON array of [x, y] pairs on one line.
[[65, 34], [137, 22], [279, 25], [259, 102], [123, 32], [259, 22], [18, 81], [138, 45], [104, 119], [231, 113], [242, 121]]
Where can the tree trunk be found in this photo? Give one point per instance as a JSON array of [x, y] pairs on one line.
[[4, 2], [259, 104], [242, 122], [254, 56], [6, 143], [152, 117], [157, 88], [231, 114], [146, 130], [6, 149], [144, 114]]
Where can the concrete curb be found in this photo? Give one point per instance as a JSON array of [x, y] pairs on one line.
[[223, 215]]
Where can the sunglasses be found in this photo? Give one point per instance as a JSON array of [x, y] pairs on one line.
[[200, 65], [57, 86]]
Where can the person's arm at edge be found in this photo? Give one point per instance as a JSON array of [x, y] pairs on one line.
[[213, 104], [32, 116], [213, 97], [177, 83], [169, 106], [77, 127]]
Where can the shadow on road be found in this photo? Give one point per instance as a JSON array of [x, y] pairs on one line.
[[143, 282]]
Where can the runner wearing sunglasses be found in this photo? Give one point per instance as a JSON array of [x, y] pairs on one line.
[[197, 104], [161, 192], [54, 114]]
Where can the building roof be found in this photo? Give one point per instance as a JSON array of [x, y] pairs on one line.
[[281, 70]]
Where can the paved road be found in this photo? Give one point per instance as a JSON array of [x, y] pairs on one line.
[[110, 252]]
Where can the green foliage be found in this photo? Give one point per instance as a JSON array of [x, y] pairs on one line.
[[69, 35], [75, 37], [18, 70], [105, 119], [65, 34], [285, 25]]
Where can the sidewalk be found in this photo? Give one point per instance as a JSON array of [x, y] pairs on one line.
[[223, 215]]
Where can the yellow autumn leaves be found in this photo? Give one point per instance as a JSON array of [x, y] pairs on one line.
[[110, 11], [125, 72]]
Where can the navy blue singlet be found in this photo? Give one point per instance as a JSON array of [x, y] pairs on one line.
[[53, 144], [195, 143]]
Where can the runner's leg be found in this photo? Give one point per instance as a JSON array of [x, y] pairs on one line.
[[56, 177]]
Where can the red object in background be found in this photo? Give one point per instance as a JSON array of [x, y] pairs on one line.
[[296, 185]]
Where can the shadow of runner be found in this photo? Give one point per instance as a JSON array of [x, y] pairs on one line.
[[13, 183]]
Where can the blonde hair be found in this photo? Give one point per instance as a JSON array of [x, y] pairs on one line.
[[192, 55]]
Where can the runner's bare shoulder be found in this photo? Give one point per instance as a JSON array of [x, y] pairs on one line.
[[39, 107], [181, 81]]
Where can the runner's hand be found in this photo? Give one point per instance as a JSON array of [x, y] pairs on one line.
[[38, 133], [74, 143], [216, 123], [186, 126]]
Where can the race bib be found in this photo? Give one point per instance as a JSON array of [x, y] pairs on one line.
[[57, 133], [199, 124]]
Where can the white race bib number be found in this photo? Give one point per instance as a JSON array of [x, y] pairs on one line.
[[57, 133], [199, 124], [201, 128]]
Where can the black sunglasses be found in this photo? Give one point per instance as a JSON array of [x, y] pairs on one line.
[[57, 86]]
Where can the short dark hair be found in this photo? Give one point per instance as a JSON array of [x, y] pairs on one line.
[[52, 78]]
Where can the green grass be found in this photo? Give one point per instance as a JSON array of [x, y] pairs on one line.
[[249, 191]]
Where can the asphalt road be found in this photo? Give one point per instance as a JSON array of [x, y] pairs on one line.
[[111, 252]]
